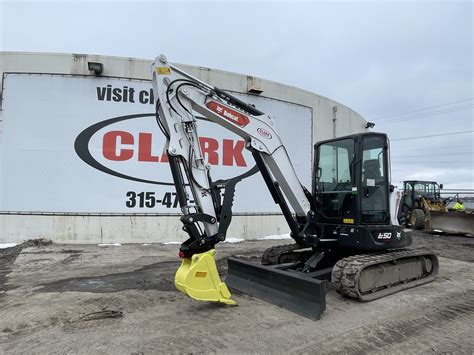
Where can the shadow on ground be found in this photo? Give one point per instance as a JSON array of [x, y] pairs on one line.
[[157, 276]]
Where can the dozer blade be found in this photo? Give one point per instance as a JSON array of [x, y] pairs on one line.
[[198, 278], [290, 290], [451, 223]]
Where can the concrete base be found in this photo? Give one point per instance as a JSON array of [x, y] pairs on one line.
[[124, 229]]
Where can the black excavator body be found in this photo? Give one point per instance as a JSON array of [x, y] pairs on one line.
[[350, 238]]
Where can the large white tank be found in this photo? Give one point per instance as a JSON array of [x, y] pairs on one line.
[[82, 157]]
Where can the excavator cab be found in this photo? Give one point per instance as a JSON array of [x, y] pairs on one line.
[[351, 191]]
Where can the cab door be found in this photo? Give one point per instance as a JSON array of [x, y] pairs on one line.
[[334, 182], [374, 180]]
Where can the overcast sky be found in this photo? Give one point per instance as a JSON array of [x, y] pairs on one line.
[[405, 65]]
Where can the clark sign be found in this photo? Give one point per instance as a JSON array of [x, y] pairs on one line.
[[92, 145]]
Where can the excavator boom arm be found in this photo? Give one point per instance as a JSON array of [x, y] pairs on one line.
[[178, 96]]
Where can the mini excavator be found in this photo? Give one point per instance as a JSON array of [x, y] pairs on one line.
[[345, 230]]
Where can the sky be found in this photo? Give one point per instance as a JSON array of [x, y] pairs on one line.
[[405, 65]]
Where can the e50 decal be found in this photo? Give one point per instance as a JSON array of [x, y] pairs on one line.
[[384, 236]]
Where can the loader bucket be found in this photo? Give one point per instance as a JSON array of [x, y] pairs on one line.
[[198, 278], [451, 223], [290, 290]]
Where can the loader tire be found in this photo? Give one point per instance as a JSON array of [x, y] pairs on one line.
[[417, 219], [402, 220]]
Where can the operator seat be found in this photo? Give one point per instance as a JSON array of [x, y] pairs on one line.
[[371, 171], [374, 199]]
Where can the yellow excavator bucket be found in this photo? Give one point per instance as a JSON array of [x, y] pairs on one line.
[[198, 278]]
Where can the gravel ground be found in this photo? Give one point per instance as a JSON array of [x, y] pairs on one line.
[[459, 248], [121, 300]]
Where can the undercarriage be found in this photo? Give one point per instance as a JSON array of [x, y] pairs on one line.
[[297, 278]]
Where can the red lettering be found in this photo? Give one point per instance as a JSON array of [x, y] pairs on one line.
[[114, 148], [144, 148], [209, 146], [164, 157], [233, 152], [109, 145]]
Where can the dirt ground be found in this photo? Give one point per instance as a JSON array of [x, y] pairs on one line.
[[87, 299]]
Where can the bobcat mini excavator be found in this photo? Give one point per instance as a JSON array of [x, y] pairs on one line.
[[345, 230]]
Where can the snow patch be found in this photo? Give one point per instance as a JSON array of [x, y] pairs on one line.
[[8, 245], [277, 236], [233, 240], [173, 242], [109, 244]]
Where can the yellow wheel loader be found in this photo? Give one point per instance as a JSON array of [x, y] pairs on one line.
[[422, 207]]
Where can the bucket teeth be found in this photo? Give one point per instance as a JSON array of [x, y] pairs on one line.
[[198, 278]]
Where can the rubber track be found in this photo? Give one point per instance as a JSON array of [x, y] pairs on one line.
[[347, 271], [337, 270], [271, 256]]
